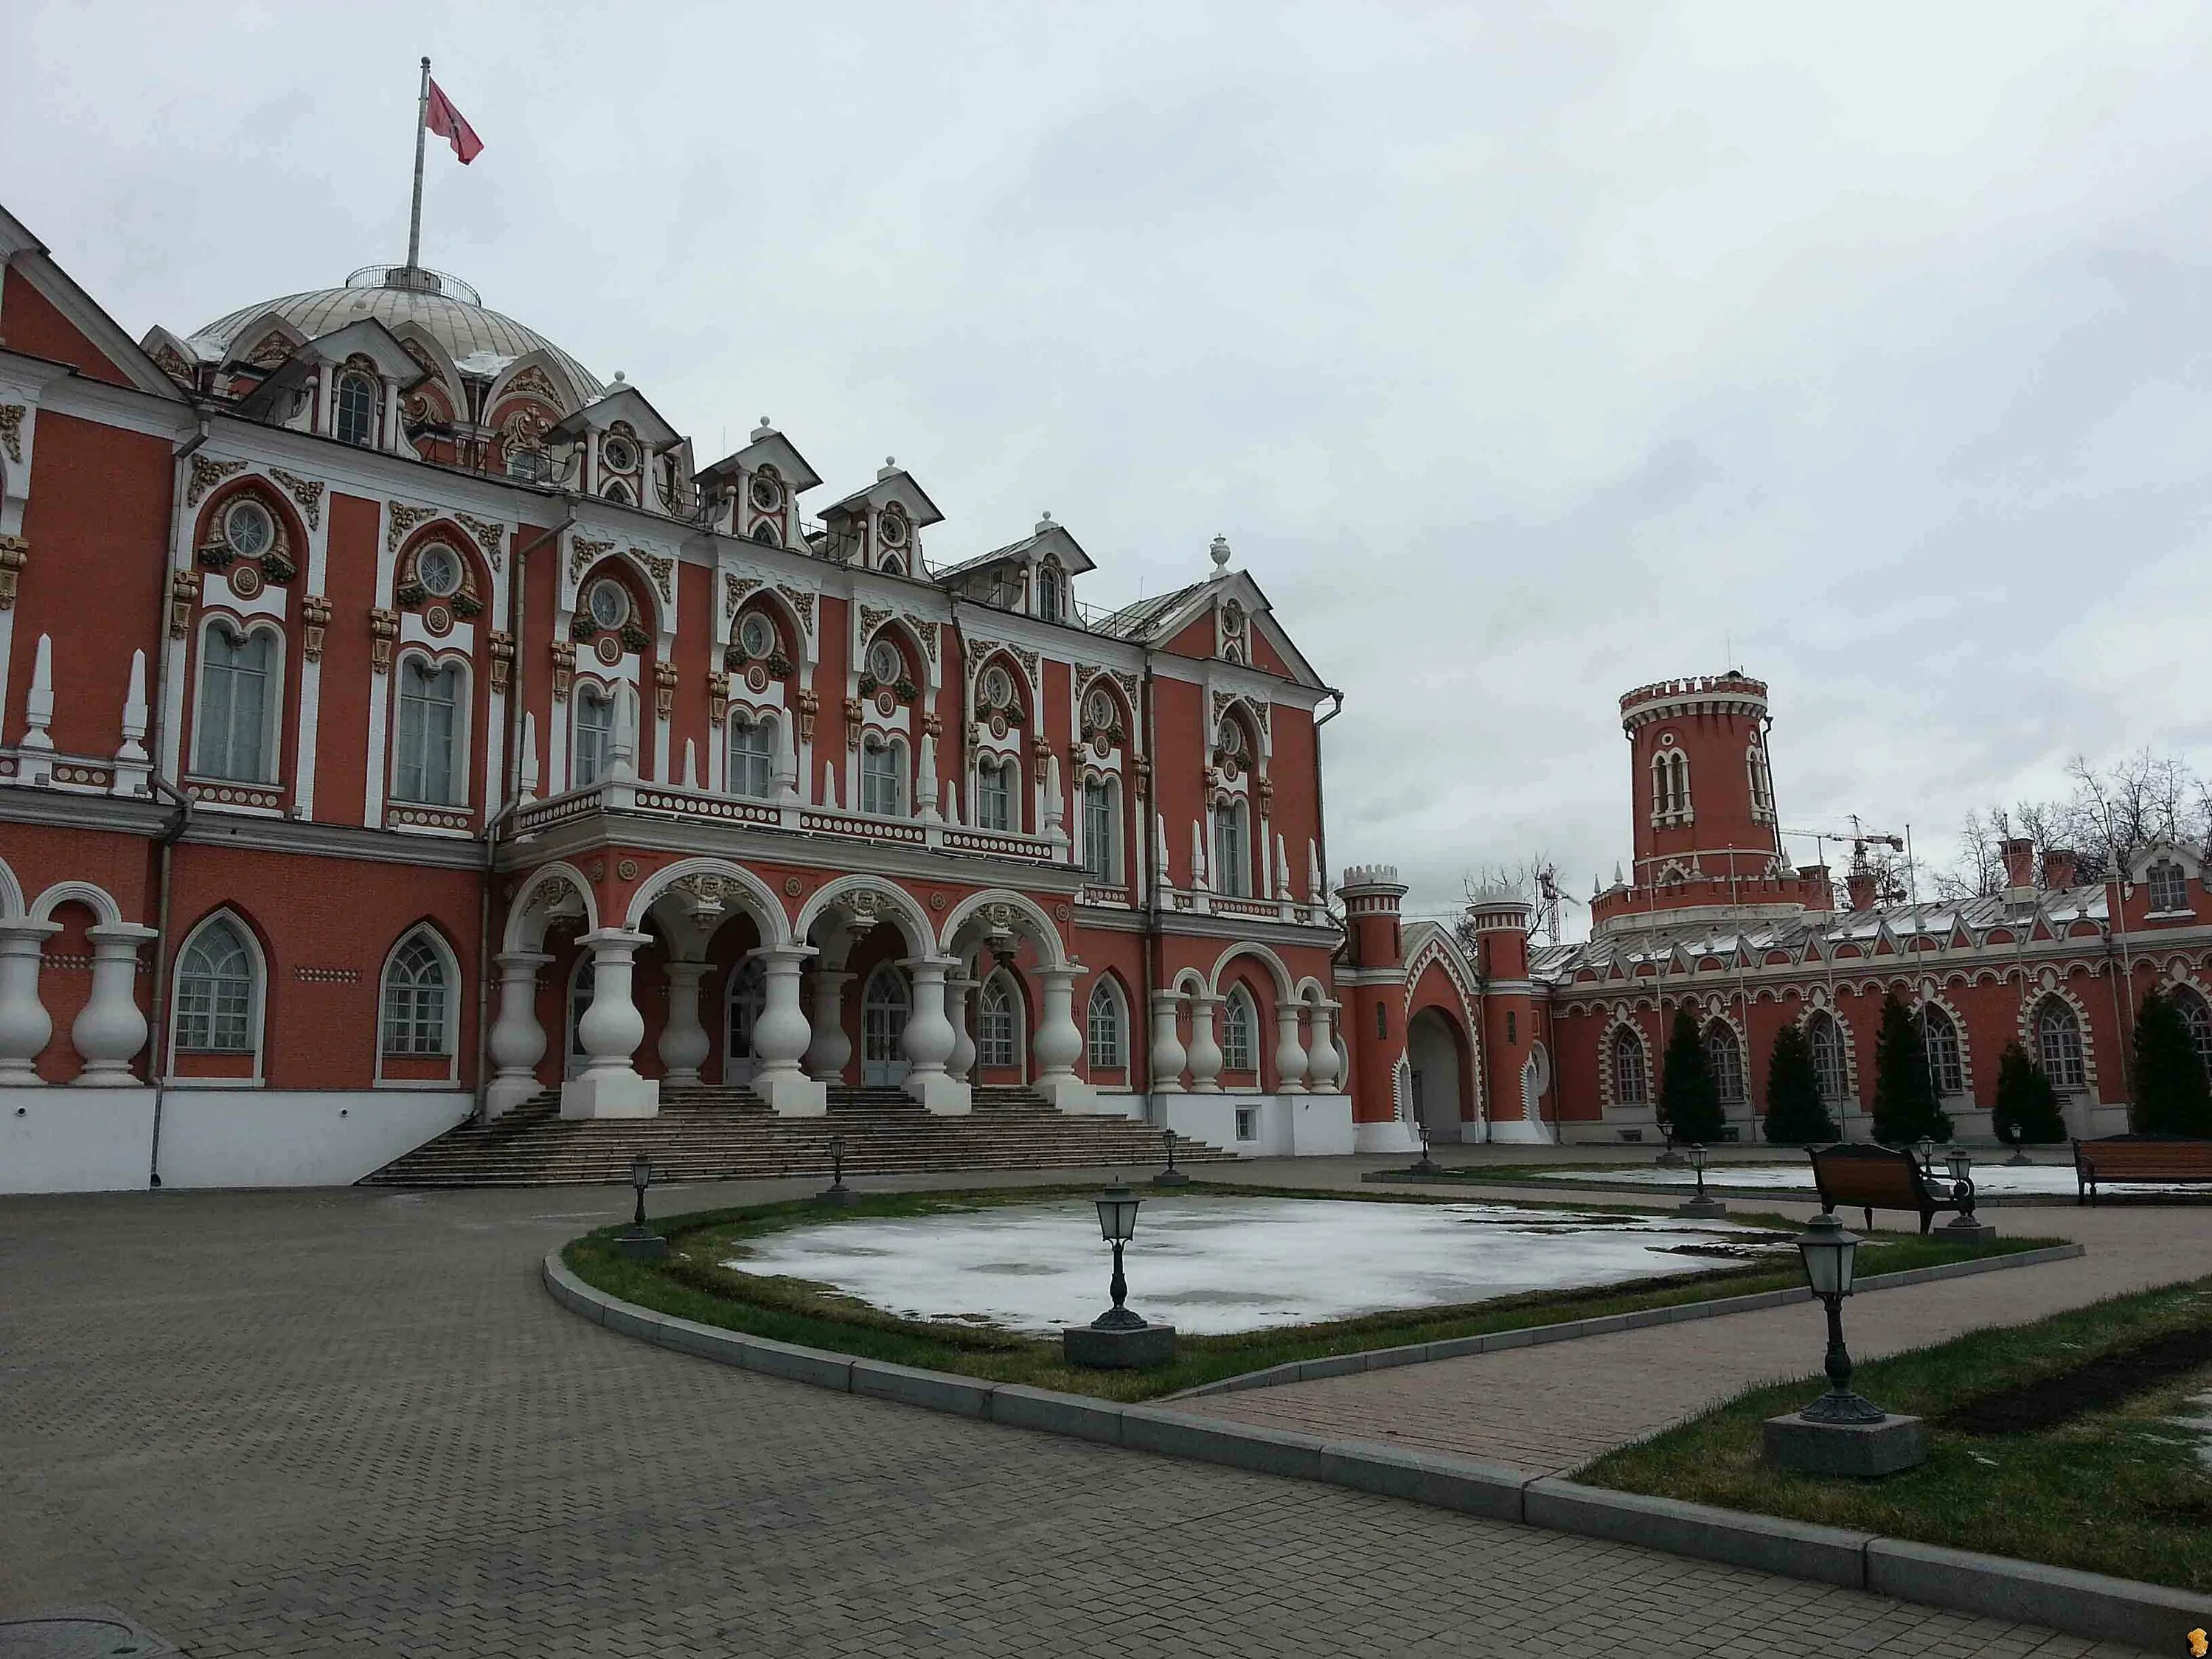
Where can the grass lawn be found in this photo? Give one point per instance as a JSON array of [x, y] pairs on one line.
[[692, 1284], [2118, 1488]]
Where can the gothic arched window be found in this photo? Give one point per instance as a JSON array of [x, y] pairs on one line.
[[1631, 1081], [998, 1039], [1240, 1033], [1724, 1054], [1831, 1069], [354, 420], [1106, 1027], [218, 992], [2058, 1045], [1946, 1060], [419, 999]]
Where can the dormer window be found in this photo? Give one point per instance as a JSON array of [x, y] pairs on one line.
[[2169, 886], [619, 453], [355, 421], [1051, 592]]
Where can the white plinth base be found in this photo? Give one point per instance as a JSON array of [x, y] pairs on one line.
[[1071, 1094], [616, 1093], [940, 1095], [1395, 1136], [1519, 1131], [788, 1094]]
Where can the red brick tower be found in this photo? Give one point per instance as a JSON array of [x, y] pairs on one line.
[[1373, 987]]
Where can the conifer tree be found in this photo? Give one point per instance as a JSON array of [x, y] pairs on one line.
[[2026, 1109], [1689, 1098], [1904, 1104], [1796, 1114], [2172, 1096]]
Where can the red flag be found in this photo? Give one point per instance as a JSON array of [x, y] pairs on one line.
[[442, 119]]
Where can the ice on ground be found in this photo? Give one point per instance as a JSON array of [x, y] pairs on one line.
[[1991, 1179], [1212, 1266]]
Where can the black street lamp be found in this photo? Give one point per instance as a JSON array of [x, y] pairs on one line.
[[1703, 1204], [1966, 1223], [1117, 1224], [1830, 1254], [1171, 1176], [836, 1192], [1669, 1160], [1427, 1165], [641, 1242]]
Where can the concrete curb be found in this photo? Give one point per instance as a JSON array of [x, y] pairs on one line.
[[1653, 1191], [2079, 1603], [1415, 1353]]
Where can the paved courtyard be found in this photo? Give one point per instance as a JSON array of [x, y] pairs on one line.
[[353, 1423]]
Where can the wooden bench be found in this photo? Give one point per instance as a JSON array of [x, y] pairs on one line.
[[1881, 1178], [2167, 1159]]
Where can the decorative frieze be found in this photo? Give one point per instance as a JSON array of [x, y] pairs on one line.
[[802, 601], [314, 618], [924, 630], [206, 473], [400, 522], [583, 554], [307, 493], [15, 553], [734, 589], [383, 630], [662, 567], [872, 617], [11, 431], [492, 537]]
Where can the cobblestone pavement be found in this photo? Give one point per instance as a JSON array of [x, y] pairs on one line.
[[353, 1423], [1552, 1409]]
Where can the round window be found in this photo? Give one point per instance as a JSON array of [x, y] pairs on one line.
[[883, 662], [767, 493], [998, 688], [756, 636], [1231, 738], [607, 603], [892, 528], [618, 453], [438, 568], [1233, 615], [249, 529], [1102, 711]]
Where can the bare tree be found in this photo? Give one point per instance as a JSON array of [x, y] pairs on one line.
[[2107, 818]]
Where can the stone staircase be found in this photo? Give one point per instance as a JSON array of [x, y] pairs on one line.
[[709, 1132]]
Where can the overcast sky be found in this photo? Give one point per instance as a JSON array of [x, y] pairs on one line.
[[1522, 358]]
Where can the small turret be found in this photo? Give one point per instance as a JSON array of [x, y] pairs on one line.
[[1371, 895]]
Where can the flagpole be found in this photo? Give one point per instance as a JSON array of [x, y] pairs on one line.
[[422, 126]]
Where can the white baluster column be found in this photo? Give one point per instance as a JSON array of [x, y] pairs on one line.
[[608, 1033], [112, 1029], [1167, 1046], [958, 989], [782, 1036], [1289, 1051], [1058, 1044], [1320, 1050], [684, 1044], [518, 1041], [1205, 1052], [25, 1024], [830, 1049], [928, 1043]]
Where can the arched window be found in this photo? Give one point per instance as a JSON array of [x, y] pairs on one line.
[[216, 996], [1829, 1069], [583, 979], [752, 756], [746, 994], [994, 793], [882, 778], [2169, 885], [593, 754], [2058, 1045], [1240, 1033], [998, 1042], [1762, 781], [419, 999], [893, 567], [1946, 1060], [1724, 1055], [618, 492], [1631, 1078], [884, 1003], [1105, 1027], [1232, 853], [1051, 592], [2198, 1019], [356, 419], [1102, 831], [238, 704], [430, 758]]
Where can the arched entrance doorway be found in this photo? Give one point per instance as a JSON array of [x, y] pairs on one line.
[[884, 1005], [1436, 1052]]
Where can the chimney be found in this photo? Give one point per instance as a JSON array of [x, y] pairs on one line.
[[2017, 853], [1858, 886], [2061, 868], [1820, 892]]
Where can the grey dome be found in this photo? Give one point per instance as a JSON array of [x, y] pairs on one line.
[[446, 305]]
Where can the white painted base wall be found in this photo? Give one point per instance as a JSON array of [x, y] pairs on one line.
[[60, 1140], [1391, 1137], [1520, 1131], [1285, 1125]]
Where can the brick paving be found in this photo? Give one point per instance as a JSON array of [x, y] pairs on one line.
[[352, 1423]]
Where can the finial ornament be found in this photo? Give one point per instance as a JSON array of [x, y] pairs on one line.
[[889, 466], [1220, 551], [765, 429]]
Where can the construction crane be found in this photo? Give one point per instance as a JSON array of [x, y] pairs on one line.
[[1860, 838]]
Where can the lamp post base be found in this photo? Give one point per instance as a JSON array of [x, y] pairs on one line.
[[1967, 1229], [840, 1195], [640, 1246], [1864, 1451], [1135, 1348], [1171, 1178], [1702, 1208]]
